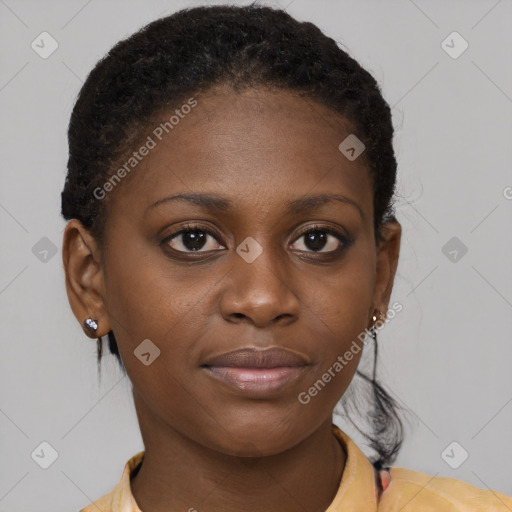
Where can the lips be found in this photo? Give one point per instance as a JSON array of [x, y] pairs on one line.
[[257, 373], [257, 358]]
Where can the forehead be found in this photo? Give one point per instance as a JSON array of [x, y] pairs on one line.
[[257, 146]]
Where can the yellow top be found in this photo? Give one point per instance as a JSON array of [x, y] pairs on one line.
[[408, 491]]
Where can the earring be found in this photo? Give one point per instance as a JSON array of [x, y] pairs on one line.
[[91, 324], [375, 317], [377, 314]]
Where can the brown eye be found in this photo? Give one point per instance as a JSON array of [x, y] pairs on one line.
[[321, 239], [193, 239]]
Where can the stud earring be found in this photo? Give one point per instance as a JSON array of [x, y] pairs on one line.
[[377, 314], [91, 324]]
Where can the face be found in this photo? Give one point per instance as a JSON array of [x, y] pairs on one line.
[[244, 263]]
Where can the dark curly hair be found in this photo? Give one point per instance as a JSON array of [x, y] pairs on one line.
[[190, 51]]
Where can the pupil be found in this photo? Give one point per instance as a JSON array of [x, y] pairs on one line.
[[192, 240], [316, 240]]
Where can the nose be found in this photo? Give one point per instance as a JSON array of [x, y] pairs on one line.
[[260, 293]]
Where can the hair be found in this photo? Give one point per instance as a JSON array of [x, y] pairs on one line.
[[191, 51]]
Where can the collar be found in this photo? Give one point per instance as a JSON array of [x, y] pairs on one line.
[[356, 491]]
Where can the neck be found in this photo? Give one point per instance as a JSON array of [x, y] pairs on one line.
[[179, 474]]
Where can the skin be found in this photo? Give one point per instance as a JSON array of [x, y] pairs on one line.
[[207, 446]]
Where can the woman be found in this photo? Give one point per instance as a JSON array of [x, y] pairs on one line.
[[229, 196]]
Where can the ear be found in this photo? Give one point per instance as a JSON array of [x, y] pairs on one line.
[[85, 284], [388, 251]]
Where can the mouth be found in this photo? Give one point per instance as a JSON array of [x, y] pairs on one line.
[[257, 373]]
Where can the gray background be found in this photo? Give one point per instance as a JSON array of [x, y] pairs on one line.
[[446, 356]]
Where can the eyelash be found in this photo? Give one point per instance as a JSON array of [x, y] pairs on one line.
[[345, 241]]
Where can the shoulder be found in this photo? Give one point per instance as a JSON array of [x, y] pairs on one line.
[[412, 491], [120, 499], [103, 504]]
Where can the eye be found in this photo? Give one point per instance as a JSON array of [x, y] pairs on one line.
[[317, 238], [192, 238]]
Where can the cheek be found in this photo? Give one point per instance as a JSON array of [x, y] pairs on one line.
[[154, 312], [149, 299], [338, 309], [341, 300]]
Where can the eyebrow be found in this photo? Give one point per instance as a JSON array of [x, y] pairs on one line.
[[299, 205]]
